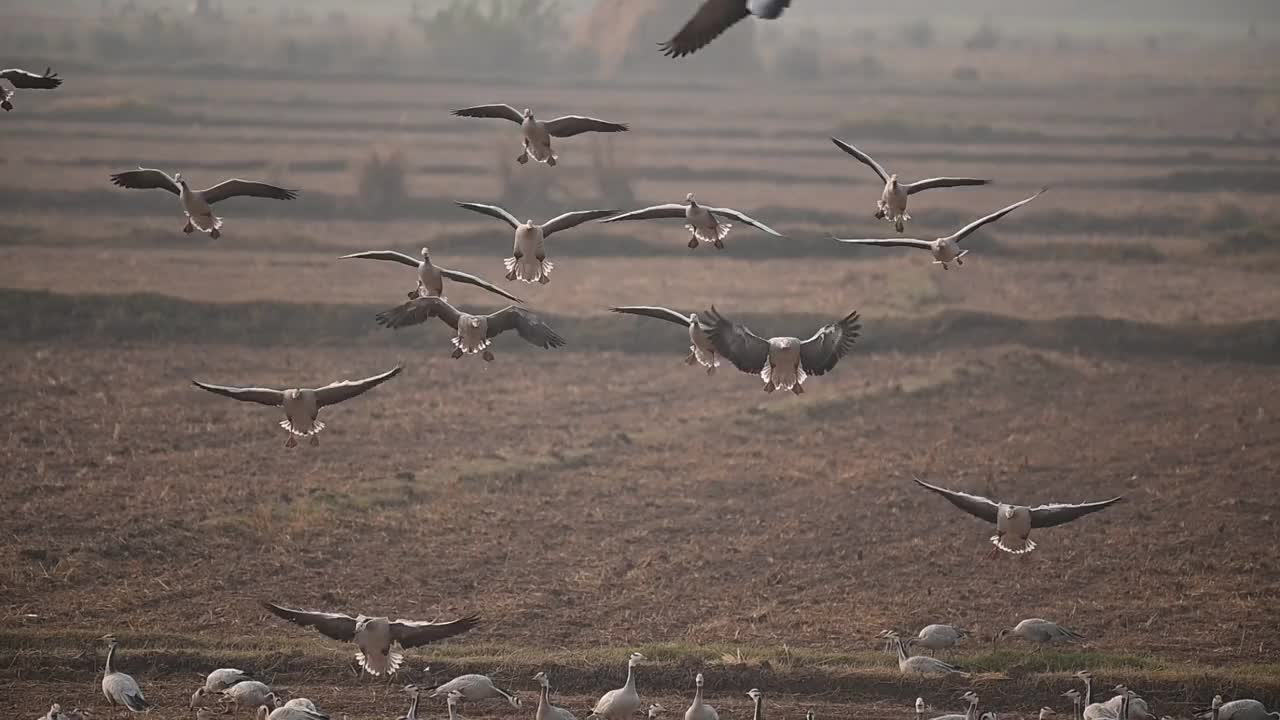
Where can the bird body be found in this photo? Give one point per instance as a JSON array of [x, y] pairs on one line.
[[431, 277], [121, 689], [703, 223], [937, 637], [699, 710], [713, 17], [216, 682], [22, 80], [528, 261], [289, 712], [701, 350], [475, 687], [250, 694], [536, 134], [920, 664], [970, 713], [474, 333], [1237, 710], [1041, 632], [197, 204], [375, 636], [783, 363], [621, 703]]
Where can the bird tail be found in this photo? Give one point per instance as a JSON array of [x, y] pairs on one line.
[[1016, 547], [136, 702], [1070, 634], [316, 426]]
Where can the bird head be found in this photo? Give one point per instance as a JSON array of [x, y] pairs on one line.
[[474, 322], [454, 698], [1008, 510], [541, 677], [1085, 675], [920, 705], [426, 254], [195, 697], [654, 709], [515, 702], [527, 114], [755, 694], [635, 658], [1217, 702], [1073, 693], [971, 697], [1001, 635], [893, 178], [109, 639], [1046, 712], [689, 198], [697, 680], [263, 712], [808, 715]]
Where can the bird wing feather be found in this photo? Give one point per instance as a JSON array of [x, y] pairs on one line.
[[337, 392]]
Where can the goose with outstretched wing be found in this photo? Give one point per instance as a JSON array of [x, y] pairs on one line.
[[892, 205], [431, 277], [783, 363], [703, 222], [475, 333], [197, 204], [536, 133], [528, 261], [713, 17]]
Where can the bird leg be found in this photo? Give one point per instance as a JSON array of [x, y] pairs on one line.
[[215, 233], [770, 387], [693, 243], [691, 360], [798, 389], [457, 353], [718, 243], [190, 228], [551, 161], [315, 441], [523, 157], [962, 254], [292, 442], [488, 356]]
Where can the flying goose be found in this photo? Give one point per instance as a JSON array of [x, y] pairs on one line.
[[621, 703], [937, 637], [716, 16], [474, 688], [23, 80], [120, 689], [892, 205], [945, 250], [431, 277], [474, 332], [529, 255], [547, 711], [1041, 632], [250, 694], [302, 405], [701, 351], [698, 710], [782, 362], [196, 204], [1236, 710], [375, 636], [216, 682], [537, 133], [970, 713], [1015, 522], [921, 664], [701, 220]]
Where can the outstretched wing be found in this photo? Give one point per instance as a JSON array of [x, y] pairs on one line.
[[412, 633], [670, 210], [236, 187], [533, 330], [334, 625], [1058, 513], [337, 392], [391, 255], [744, 218], [570, 125], [146, 179], [502, 112], [492, 211], [747, 351], [459, 276], [24, 80], [887, 242], [967, 230], [418, 311], [713, 18], [573, 219], [943, 182], [821, 352], [262, 396], [975, 505], [654, 311], [862, 157]]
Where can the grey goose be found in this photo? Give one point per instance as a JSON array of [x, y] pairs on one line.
[[536, 133], [713, 17], [475, 333], [197, 204], [703, 222], [22, 80], [783, 363], [431, 277], [528, 261]]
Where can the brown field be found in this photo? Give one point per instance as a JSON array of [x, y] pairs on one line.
[[1118, 336]]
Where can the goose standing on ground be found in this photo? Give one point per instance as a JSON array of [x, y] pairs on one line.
[[375, 636], [698, 710], [415, 694], [547, 711], [301, 405], [892, 205], [23, 80], [970, 713], [757, 700], [250, 694], [474, 688], [937, 637], [196, 204], [216, 682], [921, 664], [945, 250], [714, 17], [701, 351], [783, 363], [475, 333], [702, 221], [1015, 522], [1076, 703], [537, 133], [430, 277], [120, 689], [289, 712], [1041, 632], [920, 708], [1237, 710], [528, 261], [622, 703]]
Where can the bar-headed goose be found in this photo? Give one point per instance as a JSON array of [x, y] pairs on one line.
[[415, 695], [301, 702], [547, 711], [714, 17], [1041, 632], [474, 688], [701, 351], [196, 204], [703, 222], [120, 689], [375, 636], [699, 710], [1076, 703], [1124, 704], [250, 694], [301, 405], [655, 710], [289, 712], [757, 701], [937, 637], [528, 261], [536, 133], [216, 682], [1046, 713], [921, 664], [1236, 710], [1015, 522], [920, 708], [945, 250], [475, 333], [621, 703], [430, 276], [783, 363], [892, 205], [23, 80], [970, 713]]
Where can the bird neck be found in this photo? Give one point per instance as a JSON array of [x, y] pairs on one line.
[[758, 713], [1088, 691], [697, 696], [544, 697], [453, 711], [413, 707], [505, 695], [902, 649], [111, 653], [631, 676]]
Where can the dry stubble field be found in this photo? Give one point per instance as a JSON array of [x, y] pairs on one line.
[[1119, 336]]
